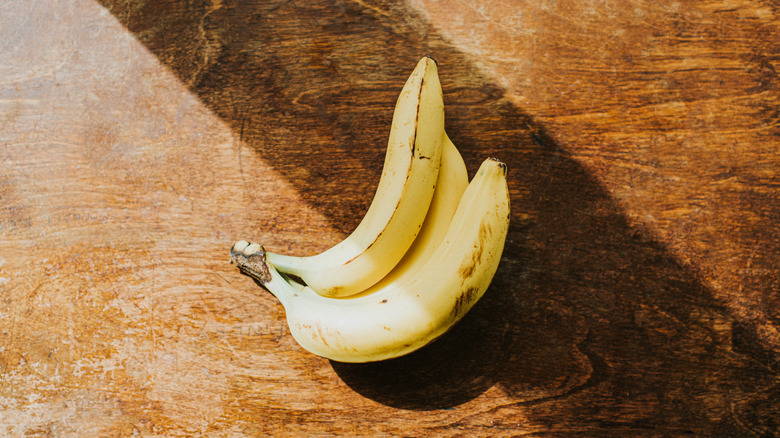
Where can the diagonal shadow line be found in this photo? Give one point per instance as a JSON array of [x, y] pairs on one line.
[[586, 311]]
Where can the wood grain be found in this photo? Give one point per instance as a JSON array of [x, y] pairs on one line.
[[637, 295]]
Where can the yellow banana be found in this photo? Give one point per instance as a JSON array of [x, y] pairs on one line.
[[401, 201], [423, 301]]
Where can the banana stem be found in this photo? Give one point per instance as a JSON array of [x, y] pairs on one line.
[[251, 260], [288, 264]]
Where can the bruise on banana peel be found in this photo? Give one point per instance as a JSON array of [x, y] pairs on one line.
[[470, 294], [465, 301], [467, 270]]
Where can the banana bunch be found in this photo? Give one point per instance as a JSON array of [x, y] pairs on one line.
[[421, 257]]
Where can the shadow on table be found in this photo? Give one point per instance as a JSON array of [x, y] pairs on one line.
[[586, 309]]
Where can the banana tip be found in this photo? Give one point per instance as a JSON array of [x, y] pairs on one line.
[[500, 164]]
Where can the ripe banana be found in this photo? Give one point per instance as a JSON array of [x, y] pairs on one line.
[[420, 304], [401, 201]]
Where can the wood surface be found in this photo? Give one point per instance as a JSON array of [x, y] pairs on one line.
[[638, 295]]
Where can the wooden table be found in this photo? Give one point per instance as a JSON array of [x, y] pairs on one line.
[[638, 294]]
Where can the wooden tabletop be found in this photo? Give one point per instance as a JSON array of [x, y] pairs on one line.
[[638, 294]]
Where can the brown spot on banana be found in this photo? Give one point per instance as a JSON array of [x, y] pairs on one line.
[[464, 301], [467, 270], [485, 230], [470, 266], [335, 290], [321, 336]]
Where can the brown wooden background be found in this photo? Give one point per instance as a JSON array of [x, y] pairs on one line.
[[639, 290]]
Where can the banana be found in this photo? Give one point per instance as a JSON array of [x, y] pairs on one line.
[[424, 300], [400, 204]]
